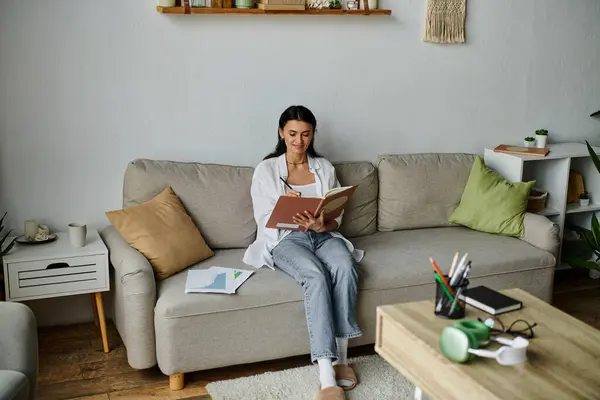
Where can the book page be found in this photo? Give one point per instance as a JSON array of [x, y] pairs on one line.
[[208, 281], [335, 201], [334, 191]]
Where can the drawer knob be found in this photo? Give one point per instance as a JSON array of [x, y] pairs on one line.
[[58, 265]]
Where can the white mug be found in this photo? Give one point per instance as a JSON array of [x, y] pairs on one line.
[[31, 229], [77, 234]]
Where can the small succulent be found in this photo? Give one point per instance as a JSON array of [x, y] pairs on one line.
[[585, 195], [335, 4], [5, 250], [541, 132], [530, 139]]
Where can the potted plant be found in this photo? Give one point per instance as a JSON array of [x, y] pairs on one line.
[[540, 137], [585, 252], [584, 198], [244, 3], [3, 251], [593, 244], [529, 141]]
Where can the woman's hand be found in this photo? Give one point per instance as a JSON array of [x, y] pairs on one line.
[[311, 222], [292, 193]]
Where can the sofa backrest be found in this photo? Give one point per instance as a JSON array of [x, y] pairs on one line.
[[403, 192], [360, 216], [217, 197], [420, 190]]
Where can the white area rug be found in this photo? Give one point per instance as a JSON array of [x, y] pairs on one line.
[[377, 380]]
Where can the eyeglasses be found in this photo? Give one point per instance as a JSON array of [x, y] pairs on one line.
[[519, 327]]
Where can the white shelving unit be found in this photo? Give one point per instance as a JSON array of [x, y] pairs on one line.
[[552, 175]]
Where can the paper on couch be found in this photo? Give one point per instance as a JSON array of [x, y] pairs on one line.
[[208, 281], [239, 277], [215, 280]]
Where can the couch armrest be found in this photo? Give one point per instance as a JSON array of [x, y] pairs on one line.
[[541, 232], [19, 341], [134, 299]]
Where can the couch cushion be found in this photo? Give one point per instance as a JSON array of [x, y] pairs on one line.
[[14, 385], [392, 260], [491, 204], [217, 197], [420, 190], [265, 287], [163, 232], [360, 217], [401, 259]]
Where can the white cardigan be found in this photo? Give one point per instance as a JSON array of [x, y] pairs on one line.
[[266, 190]]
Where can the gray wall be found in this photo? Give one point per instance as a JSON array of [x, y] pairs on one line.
[[87, 86]]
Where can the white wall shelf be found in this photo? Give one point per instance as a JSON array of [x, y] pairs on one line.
[[576, 208], [549, 212], [258, 11], [552, 175]]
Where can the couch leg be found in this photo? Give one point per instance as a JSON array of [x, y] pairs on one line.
[[176, 381]]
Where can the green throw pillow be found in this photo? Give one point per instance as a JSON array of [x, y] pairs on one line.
[[491, 204]]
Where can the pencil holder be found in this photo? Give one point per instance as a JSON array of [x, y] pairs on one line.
[[446, 304]]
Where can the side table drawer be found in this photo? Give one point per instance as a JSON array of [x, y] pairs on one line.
[[31, 279]]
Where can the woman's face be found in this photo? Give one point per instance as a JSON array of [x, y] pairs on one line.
[[297, 136]]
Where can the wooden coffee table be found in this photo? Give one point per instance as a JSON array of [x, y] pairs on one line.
[[564, 355]]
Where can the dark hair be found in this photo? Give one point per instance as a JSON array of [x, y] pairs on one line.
[[295, 113]]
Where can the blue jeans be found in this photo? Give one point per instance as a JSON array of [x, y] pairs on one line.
[[324, 267]]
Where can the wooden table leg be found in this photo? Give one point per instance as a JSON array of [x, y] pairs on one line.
[[102, 321], [95, 309]]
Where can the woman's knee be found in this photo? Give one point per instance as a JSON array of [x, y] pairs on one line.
[[314, 275], [339, 251], [342, 265], [347, 269]]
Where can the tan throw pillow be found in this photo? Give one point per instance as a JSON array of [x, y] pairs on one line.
[[162, 230]]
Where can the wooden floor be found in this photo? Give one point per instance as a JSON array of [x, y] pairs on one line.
[[73, 365]]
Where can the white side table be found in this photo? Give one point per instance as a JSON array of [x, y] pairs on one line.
[[55, 269]]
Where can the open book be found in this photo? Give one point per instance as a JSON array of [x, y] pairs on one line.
[[333, 204]]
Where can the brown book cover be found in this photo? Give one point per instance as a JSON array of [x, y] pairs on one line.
[[287, 2], [286, 208], [524, 151], [281, 7], [575, 187]]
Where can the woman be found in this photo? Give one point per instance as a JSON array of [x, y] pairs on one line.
[[321, 259]]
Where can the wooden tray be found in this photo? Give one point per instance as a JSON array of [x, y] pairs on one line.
[[521, 150]]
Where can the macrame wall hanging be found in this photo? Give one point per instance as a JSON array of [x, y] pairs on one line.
[[445, 21]]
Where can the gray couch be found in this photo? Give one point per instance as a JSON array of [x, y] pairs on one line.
[[18, 352], [398, 215]]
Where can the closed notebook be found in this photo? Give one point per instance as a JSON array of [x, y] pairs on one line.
[[524, 151], [286, 208], [281, 7], [490, 300]]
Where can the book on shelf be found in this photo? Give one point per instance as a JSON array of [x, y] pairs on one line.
[[283, 2], [521, 150], [490, 300], [281, 7], [286, 208]]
